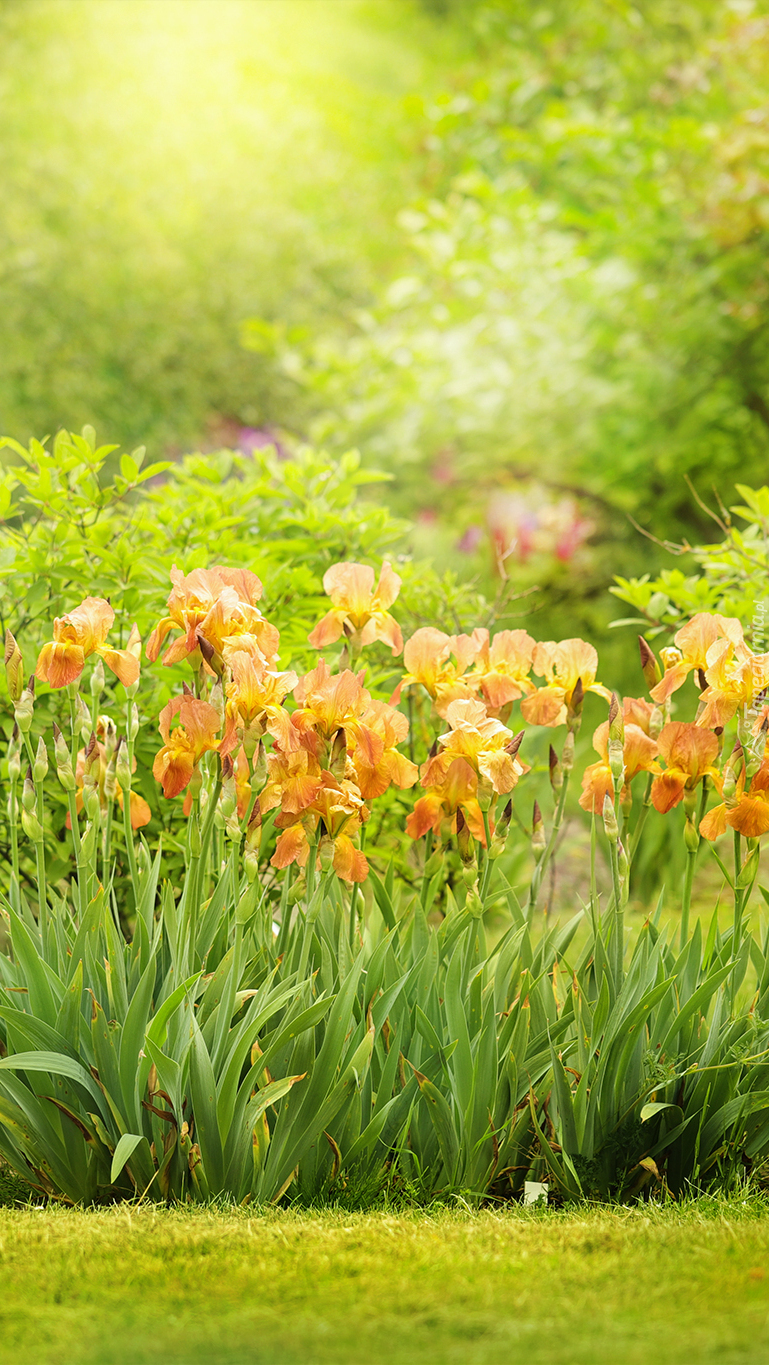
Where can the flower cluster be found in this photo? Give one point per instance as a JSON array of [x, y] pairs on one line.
[[315, 752]]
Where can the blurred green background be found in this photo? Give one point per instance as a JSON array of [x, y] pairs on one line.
[[515, 253]]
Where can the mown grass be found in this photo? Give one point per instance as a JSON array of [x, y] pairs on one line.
[[131, 1285]]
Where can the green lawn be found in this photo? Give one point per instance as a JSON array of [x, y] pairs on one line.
[[134, 1285]]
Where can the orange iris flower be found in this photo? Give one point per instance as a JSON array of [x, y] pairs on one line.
[[337, 811], [183, 747], [253, 690], [78, 635], [639, 753], [294, 778], [427, 657], [747, 812], [735, 676], [484, 743], [215, 604], [452, 785], [503, 666], [564, 665], [693, 641], [689, 753], [376, 760], [358, 608]]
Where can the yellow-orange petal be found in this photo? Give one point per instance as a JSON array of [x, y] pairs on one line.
[[544, 707], [60, 664], [349, 863], [173, 769], [292, 847], [750, 816], [125, 666], [327, 631], [713, 824], [668, 790]]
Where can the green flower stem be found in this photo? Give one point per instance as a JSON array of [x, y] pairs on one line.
[[72, 693], [42, 889], [354, 896], [641, 821], [686, 899], [107, 844], [76, 849], [13, 821], [619, 914], [738, 895], [487, 863], [539, 871]]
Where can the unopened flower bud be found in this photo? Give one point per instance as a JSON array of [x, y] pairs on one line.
[[110, 779], [656, 722], [258, 768], [97, 679], [25, 706], [690, 800], [611, 828], [567, 754], [133, 722], [40, 765], [122, 770], [338, 756], [616, 759], [14, 668], [28, 791], [134, 647], [691, 837], [499, 837], [229, 798], [538, 840], [82, 718], [473, 902], [649, 666], [556, 771], [622, 860], [88, 842], [485, 794], [616, 720], [464, 840], [574, 705], [31, 825], [91, 802], [232, 828], [470, 875], [194, 833], [210, 655], [14, 755], [250, 864], [298, 890], [326, 855], [91, 761], [254, 829]]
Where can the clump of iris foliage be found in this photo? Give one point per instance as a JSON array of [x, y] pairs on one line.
[[325, 967]]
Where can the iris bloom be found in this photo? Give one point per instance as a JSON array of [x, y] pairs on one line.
[[451, 786], [336, 813], [747, 812], [76, 637], [503, 666], [734, 676], [253, 691], [183, 747], [216, 604], [359, 610], [427, 657], [692, 643], [564, 665], [484, 743], [294, 778], [375, 759], [639, 753], [689, 753]]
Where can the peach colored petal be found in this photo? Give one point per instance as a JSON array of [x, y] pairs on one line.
[[750, 816], [349, 863], [424, 653], [713, 824], [668, 790], [60, 664], [597, 783], [327, 631], [125, 666], [544, 707], [292, 847]]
